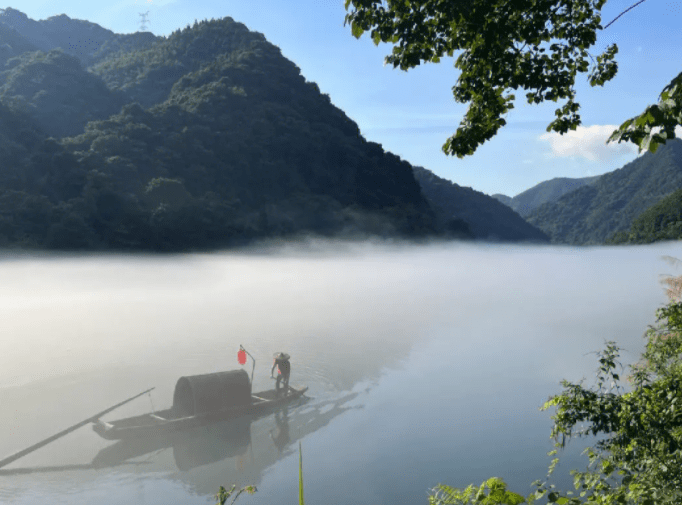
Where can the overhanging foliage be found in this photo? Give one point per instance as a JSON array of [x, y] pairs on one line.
[[539, 46]]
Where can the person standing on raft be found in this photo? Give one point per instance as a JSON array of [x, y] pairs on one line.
[[284, 370]]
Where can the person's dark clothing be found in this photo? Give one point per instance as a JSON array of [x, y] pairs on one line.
[[284, 367]]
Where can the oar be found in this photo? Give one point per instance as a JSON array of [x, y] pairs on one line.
[[91, 419]]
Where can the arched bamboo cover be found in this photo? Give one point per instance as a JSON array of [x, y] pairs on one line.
[[199, 394]]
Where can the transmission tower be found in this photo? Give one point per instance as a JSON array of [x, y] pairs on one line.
[[143, 22]]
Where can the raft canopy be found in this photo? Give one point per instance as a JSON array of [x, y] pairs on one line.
[[199, 394]]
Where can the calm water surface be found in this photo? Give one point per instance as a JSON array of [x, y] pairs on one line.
[[425, 365]]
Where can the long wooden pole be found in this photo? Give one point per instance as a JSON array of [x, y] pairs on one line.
[[42, 443]]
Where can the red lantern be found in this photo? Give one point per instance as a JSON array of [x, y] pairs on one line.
[[241, 357]]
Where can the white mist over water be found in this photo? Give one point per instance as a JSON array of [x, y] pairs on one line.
[[492, 328]]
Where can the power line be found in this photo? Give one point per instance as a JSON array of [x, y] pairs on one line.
[[619, 15]]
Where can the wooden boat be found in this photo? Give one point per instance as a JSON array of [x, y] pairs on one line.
[[200, 400]]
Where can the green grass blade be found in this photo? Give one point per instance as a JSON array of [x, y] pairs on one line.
[[300, 475]]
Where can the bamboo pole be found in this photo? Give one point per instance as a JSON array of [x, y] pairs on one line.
[[42, 443], [241, 347]]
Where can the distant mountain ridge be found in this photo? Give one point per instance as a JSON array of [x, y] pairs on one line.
[[82, 39], [486, 217], [547, 191], [592, 213]]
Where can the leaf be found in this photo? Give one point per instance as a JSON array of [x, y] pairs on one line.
[[513, 498], [653, 145]]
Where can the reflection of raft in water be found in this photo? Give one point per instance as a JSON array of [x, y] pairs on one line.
[[191, 448], [200, 400]]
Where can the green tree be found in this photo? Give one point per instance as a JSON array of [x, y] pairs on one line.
[[638, 459], [537, 45]]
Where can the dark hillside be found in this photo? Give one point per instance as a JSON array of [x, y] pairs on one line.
[[662, 221], [18, 139], [56, 92], [249, 123], [507, 200], [236, 146], [147, 74], [486, 217], [12, 44]]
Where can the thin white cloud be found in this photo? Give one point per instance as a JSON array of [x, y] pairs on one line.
[[588, 142]]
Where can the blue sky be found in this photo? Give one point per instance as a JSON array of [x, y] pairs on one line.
[[412, 113]]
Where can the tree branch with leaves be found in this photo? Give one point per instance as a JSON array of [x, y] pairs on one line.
[[539, 46]]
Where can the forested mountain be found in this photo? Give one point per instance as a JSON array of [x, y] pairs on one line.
[[593, 213], [547, 191], [205, 138], [234, 146], [486, 217]]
